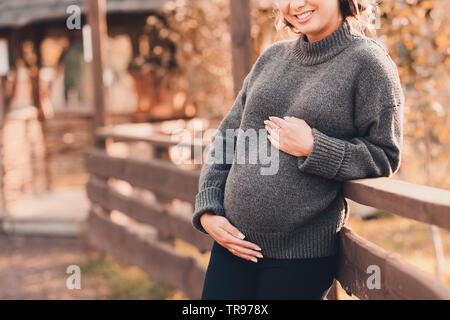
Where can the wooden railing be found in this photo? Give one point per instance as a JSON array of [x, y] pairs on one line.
[[154, 254]]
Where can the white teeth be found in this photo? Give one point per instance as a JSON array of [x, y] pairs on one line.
[[305, 15]]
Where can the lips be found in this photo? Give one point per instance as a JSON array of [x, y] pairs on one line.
[[305, 15]]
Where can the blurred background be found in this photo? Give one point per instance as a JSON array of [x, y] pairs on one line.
[[166, 69]]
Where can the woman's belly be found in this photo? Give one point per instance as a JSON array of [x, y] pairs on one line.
[[285, 200]]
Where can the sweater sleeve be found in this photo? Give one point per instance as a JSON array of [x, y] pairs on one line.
[[220, 155], [376, 154], [378, 118]]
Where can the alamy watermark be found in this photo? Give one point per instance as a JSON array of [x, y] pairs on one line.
[[374, 280], [74, 280], [73, 22], [233, 146]]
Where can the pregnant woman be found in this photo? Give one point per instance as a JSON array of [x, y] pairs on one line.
[[328, 107]]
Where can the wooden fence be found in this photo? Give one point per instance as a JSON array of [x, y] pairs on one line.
[[154, 254]]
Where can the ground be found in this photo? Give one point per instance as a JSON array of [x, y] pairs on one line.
[[34, 267]]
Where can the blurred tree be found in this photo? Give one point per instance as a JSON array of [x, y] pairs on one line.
[[417, 33], [202, 33]]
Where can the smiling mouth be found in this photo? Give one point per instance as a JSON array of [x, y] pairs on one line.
[[304, 16]]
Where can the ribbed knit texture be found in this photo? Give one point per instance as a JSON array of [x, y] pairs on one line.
[[346, 88]]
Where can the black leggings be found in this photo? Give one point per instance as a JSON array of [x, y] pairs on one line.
[[231, 277]]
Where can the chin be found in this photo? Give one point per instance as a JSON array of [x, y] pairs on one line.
[[307, 29]]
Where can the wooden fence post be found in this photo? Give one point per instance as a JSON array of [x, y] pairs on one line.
[[96, 14], [241, 41]]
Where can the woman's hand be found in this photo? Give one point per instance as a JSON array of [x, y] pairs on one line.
[[229, 236], [291, 135]]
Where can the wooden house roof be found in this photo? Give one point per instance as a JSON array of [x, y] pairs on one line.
[[19, 13]]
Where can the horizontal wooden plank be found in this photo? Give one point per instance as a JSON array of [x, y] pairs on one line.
[[146, 133], [156, 140], [399, 280], [159, 260], [421, 203], [169, 223], [158, 176]]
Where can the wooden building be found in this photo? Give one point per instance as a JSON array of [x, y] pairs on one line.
[[27, 23], [52, 139]]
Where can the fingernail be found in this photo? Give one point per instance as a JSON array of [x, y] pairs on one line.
[[265, 121], [258, 248], [241, 236], [254, 260], [259, 255]]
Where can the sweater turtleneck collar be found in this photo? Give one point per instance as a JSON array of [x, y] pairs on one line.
[[310, 53]]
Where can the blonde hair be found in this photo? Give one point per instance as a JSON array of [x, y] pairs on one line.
[[362, 15]]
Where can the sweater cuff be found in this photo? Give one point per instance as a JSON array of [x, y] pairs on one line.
[[207, 200], [326, 156]]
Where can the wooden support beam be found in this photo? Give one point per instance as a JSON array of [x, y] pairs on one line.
[[2, 171], [97, 20], [241, 41]]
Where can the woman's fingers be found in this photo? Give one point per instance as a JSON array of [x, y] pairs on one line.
[[227, 226], [275, 142], [230, 239], [272, 128], [239, 254], [244, 251], [278, 121], [273, 135], [270, 124], [246, 257]]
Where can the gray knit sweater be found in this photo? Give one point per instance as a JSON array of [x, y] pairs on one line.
[[347, 88]]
